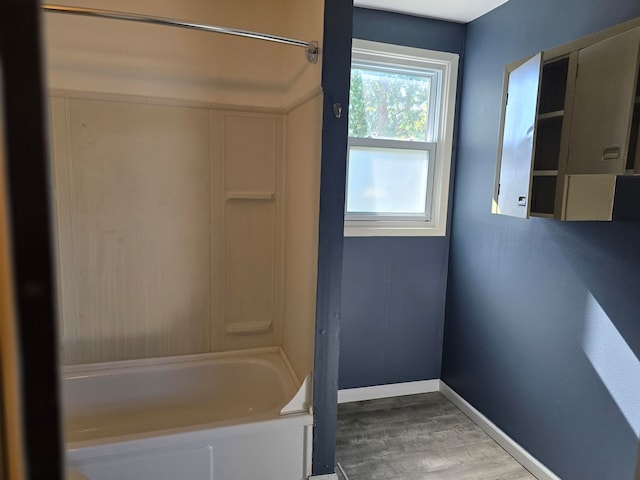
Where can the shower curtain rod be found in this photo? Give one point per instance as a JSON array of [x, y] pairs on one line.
[[311, 48]]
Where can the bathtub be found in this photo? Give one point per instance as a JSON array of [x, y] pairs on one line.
[[230, 416]]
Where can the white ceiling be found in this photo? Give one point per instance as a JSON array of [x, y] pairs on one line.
[[454, 10]]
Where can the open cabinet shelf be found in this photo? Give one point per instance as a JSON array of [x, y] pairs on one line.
[[547, 116], [548, 137]]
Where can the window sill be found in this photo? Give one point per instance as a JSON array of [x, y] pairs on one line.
[[392, 229]]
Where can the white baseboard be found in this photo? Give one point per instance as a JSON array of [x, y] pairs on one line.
[[330, 476], [527, 460], [385, 391]]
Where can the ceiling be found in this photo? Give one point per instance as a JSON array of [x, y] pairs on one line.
[[462, 11]]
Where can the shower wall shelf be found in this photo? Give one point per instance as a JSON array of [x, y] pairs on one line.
[[248, 328], [311, 48], [250, 196]]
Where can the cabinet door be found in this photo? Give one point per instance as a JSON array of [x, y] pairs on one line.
[[517, 139], [603, 105]]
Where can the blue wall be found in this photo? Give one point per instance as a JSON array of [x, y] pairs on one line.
[[336, 67], [394, 289], [542, 330]]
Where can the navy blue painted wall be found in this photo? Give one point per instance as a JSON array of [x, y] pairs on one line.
[[407, 30], [394, 289], [542, 330], [336, 67]]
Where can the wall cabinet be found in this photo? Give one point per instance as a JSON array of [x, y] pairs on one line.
[[570, 129]]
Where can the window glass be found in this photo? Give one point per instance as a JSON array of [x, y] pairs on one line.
[[388, 104], [387, 181]]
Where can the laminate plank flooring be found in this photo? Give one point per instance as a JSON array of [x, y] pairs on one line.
[[418, 437]]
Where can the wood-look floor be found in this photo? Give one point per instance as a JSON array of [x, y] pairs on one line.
[[418, 437]]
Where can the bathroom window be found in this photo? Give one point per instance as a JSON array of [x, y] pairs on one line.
[[400, 134]]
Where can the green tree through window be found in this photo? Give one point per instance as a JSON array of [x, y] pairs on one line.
[[388, 105]]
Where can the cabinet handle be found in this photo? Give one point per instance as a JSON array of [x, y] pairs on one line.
[[611, 152]]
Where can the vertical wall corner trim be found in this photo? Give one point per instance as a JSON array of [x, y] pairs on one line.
[[528, 461], [385, 391]]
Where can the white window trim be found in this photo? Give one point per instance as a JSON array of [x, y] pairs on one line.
[[364, 51]]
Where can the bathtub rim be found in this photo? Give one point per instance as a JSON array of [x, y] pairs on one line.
[[293, 386], [78, 370]]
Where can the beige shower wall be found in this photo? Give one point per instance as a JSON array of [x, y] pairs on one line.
[[303, 124], [304, 135], [113, 56], [304, 20], [186, 170], [169, 223]]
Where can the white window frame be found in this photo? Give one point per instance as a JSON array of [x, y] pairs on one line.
[[393, 144], [440, 140]]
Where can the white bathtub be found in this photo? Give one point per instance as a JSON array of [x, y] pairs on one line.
[[201, 417]]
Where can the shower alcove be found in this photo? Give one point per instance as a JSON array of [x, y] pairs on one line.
[[185, 169]]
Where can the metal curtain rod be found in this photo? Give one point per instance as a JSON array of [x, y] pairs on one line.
[[310, 47]]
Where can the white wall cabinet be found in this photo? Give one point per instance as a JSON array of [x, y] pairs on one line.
[[605, 91], [570, 128]]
